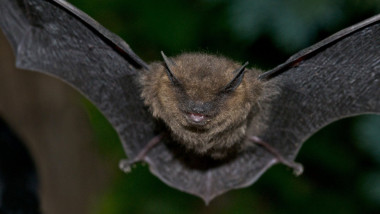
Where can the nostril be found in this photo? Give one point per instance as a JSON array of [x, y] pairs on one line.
[[199, 107]]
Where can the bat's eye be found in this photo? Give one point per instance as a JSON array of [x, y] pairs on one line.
[[235, 82]]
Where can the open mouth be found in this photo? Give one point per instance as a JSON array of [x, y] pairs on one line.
[[196, 118]]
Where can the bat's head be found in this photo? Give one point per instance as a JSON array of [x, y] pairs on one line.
[[200, 96]]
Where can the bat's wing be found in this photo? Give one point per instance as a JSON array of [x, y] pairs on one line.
[[53, 37], [335, 78]]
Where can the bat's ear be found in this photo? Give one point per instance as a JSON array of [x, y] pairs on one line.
[[235, 82], [169, 64]]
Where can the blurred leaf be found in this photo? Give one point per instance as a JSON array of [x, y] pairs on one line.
[[105, 135], [370, 186], [367, 135], [291, 24]]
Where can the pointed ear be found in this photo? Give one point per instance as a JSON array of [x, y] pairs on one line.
[[169, 64], [235, 82]]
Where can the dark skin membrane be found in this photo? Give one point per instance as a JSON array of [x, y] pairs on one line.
[[285, 106]]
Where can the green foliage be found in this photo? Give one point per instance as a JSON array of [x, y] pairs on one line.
[[105, 135], [291, 24], [342, 165]]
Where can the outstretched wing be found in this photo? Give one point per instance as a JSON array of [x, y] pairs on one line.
[[335, 78], [53, 37]]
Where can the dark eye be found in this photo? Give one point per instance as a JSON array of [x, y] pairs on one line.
[[235, 82]]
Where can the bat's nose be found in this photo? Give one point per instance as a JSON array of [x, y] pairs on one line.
[[199, 107]]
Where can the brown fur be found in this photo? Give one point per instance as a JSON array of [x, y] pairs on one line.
[[203, 76]]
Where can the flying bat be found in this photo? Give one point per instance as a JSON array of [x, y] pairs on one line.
[[205, 124]]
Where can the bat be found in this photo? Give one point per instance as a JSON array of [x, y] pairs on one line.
[[203, 123]]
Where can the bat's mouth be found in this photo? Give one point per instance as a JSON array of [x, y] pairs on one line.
[[197, 118]]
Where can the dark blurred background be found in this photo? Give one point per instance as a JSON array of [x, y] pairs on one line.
[[342, 161]]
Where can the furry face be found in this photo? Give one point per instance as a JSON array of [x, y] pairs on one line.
[[205, 100]]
